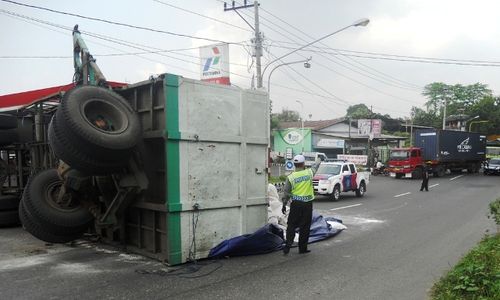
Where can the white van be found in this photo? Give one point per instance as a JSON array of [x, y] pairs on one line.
[[314, 157]]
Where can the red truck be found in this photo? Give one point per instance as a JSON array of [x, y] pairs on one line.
[[440, 150]]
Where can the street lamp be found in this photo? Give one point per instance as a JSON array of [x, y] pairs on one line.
[[362, 22], [467, 121], [302, 122], [470, 125], [306, 62]]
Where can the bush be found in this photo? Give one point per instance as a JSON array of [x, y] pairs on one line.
[[495, 210], [476, 276]]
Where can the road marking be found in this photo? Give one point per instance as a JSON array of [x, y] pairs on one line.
[[354, 205], [434, 185], [456, 177], [402, 195]]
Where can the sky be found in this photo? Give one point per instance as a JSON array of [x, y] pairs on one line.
[[385, 65]]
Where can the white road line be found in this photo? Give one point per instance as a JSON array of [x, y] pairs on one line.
[[456, 177], [431, 186], [402, 195], [354, 205]]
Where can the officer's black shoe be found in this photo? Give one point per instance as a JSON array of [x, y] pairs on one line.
[[304, 251], [286, 250]]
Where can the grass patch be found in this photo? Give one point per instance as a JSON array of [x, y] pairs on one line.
[[476, 276]]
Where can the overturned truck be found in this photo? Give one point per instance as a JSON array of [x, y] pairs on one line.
[[169, 167]]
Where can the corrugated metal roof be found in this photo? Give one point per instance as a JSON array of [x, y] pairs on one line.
[[314, 125]]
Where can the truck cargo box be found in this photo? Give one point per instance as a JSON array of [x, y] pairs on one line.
[[450, 145], [204, 153]]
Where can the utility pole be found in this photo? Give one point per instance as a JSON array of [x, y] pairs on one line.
[[258, 37]]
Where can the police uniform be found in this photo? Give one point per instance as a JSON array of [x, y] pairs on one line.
[[301, 193]]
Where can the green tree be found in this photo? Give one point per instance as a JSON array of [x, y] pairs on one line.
[[425, 118], [488, 109], [285, 115], [359, 111], [459, 98]]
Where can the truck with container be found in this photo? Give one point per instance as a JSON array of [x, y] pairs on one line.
[[335, 177], [150, 166], [439, 150]]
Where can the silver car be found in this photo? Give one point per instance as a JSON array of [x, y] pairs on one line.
[[492, 167]]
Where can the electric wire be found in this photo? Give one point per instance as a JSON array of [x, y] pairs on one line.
[[387, 76], [121, 42], [116, 23], [390, 81], [395, 57], [332, 97], [128, 45], [203, 16], [354, 80]]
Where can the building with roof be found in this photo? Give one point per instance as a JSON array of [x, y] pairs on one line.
[[332, 137]]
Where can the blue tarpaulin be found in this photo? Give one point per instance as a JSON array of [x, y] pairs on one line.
[[269, 238]]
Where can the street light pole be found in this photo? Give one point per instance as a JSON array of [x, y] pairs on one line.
[[467, 122], [302, 122], [470, 125], [444, 113], [362, 22], [307, 65]]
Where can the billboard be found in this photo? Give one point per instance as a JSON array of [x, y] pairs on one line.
[[214, 63], [370, 127]]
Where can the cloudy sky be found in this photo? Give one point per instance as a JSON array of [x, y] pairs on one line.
[[406, 45]]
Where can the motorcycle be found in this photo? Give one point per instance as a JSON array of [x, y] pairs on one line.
[[378, 171]]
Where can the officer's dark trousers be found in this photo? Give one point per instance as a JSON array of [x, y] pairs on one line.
[[300, 217], [425, 184]]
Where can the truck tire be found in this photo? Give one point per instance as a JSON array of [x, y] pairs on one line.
[[336, 193], [9, 218], [8, 121], [360, 192], [99, 122], [66, 151], [41, 232], [9, 202], [8, 137], [40, 200]]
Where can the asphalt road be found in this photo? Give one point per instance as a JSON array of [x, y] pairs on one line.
[[398, 242]]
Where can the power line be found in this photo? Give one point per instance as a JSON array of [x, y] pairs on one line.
[[356, 81], [366, 85], [203, 16], [395, 57], [116, 23], [333, 97], [391, 82], [389, 77], [157, 51]]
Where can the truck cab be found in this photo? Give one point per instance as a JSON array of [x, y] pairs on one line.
[[333, 178], [406, 162]]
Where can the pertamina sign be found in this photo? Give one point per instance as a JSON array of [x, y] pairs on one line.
[[214, 62]]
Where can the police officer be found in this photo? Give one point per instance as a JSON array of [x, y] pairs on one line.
[[299, 189], [425, 179]]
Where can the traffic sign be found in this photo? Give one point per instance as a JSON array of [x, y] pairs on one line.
[[289, 165]]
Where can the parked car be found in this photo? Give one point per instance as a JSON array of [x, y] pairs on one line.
[[492, 167]]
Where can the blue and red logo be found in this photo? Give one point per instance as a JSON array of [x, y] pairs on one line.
[[212, 61]]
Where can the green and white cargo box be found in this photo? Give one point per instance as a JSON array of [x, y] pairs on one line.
[[205, 156]]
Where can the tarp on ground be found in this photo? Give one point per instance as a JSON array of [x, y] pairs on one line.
[[269, 238]]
